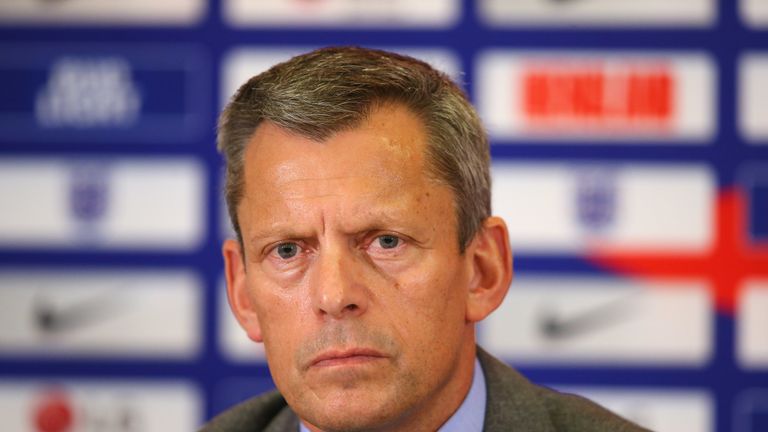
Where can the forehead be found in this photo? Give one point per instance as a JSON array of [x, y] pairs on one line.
[[386, 149]]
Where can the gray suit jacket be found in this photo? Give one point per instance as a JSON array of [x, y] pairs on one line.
[[513, 404]]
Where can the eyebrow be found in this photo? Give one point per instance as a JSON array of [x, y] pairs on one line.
[[279, 232], [285, 230]]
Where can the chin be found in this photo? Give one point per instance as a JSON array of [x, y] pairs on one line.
[[349, 422], [353, 413]]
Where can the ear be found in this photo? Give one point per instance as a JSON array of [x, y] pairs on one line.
[[491, 257], [237, 290]]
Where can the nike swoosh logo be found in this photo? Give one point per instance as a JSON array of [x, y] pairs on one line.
[[52, 319], [556, 326]]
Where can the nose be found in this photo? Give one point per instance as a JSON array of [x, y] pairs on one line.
[[338, 287]]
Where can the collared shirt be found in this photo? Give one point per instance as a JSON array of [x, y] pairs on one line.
[[471, 413]]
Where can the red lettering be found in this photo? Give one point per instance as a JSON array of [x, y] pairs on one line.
[[597, 97]]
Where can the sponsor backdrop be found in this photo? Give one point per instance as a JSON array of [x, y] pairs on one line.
[[630, 149]]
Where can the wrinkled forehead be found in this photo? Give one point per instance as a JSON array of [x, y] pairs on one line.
[[371, 173], [390, 143]]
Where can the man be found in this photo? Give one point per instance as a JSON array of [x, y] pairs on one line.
[[358, 186]]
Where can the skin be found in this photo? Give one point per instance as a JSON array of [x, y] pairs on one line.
[[351, 276]]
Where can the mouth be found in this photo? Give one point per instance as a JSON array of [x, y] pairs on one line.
[[347, 357]]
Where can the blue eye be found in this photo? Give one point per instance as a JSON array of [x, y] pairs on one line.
[[287, 250], [388, 241]]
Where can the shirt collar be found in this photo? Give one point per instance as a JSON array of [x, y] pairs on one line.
[[471, 413]]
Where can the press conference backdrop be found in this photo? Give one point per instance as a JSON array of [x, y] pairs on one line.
[[630, 159]]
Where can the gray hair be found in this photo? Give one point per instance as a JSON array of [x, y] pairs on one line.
[[334, 89]]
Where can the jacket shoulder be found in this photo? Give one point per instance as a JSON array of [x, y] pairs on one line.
[[267, 412], [514, 403], [569, 412]]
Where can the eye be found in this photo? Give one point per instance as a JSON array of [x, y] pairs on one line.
[[287, 250], [388, 241]]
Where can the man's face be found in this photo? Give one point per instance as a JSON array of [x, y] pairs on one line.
[[353, 277]]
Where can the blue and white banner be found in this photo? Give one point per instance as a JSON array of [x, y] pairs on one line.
[[629, 144]]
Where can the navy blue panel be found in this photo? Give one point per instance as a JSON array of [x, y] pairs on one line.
[[758, 212], [97, 93], [760, 422]]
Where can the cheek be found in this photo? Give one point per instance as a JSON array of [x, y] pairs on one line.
[[279, 312], [431, 300], [279, 320], [281, 329]]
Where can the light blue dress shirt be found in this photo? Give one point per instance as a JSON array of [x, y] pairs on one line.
[[471, 413]]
